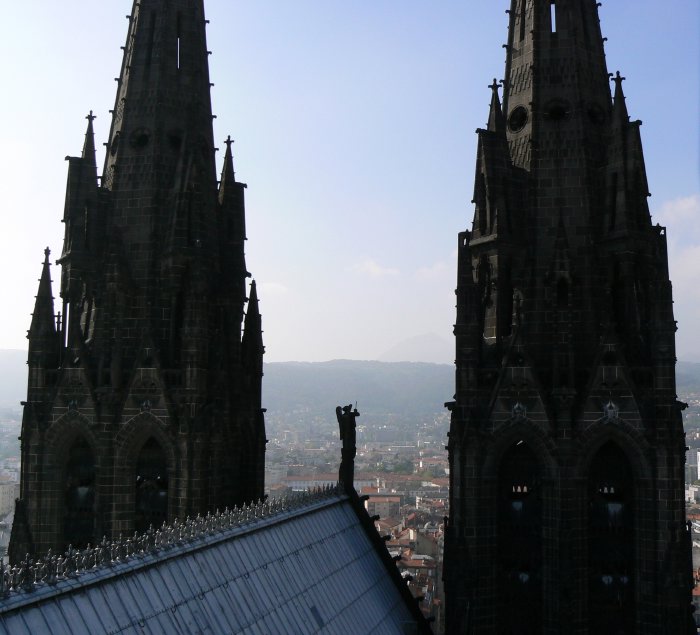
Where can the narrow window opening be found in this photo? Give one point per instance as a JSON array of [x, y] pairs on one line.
[[554, 16], [179, 38], [611, 542], [519, 515], [87, 317], [86, 234], [562, 293], [79, 513], [151, 37], [151, 487], [66, 322], [613, 202], [523, 16]]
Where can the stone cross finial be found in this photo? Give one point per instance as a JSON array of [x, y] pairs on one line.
[[618, 79], [495, 85], [229, 142], [91, 117]]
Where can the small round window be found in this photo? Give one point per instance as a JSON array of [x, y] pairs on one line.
[[140, 137], [517, 119]]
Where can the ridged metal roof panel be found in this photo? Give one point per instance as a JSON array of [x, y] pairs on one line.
[[313, 569]]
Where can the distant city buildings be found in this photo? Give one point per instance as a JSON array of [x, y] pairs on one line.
[[9, 491]]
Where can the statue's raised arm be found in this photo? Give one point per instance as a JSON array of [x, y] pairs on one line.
[[339, 415]]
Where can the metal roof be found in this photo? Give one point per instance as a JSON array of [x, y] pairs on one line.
[[307, 566]]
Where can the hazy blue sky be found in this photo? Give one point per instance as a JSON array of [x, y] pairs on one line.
[[354, 126]]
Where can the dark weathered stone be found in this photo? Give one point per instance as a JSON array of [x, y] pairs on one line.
[[566, 442], [144, 400]]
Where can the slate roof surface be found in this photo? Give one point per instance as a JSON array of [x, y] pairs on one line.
[[313, 568]]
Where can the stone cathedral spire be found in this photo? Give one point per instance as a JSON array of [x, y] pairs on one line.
[[566, 442], [143, 404]]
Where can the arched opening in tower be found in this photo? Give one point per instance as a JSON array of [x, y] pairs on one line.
[[79, 501], [519, 542], [151, 498], [611, 542], [562, 293]]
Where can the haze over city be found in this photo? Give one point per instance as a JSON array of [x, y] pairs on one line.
[[354, 128]]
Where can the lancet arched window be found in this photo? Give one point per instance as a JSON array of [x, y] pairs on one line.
[[79, 502], [562, 293], [520, 541], [151, 498], [611, 542]]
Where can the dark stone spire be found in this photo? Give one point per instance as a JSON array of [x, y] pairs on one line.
[[43, 318], [145, 406], [620, 115], [89, 154], [231, 200], [565, 421], [228, 175], [496, 121], [252, 351], [555, 73], [83, 223], [626, 206], [252, 345], [161, 139]]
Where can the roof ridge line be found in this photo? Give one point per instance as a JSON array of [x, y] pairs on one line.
[[35, 580]]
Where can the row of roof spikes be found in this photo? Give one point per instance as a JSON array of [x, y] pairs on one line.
[[30, 575]]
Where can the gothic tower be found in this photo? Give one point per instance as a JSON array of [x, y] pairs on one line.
[[144, 399], [566, 443]]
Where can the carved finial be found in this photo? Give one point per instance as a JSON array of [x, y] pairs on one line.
[[91, 117], [47, 253], [229, 142], [618, 79], [610, 411], [496, 84], [519, 411]]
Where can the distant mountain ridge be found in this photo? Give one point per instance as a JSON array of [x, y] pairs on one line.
[[382, 387], [377, 386]]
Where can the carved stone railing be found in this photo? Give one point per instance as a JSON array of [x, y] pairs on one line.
[[52, 568]]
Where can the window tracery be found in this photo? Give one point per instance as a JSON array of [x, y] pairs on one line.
[[79, 507], [151, 499], [611, 541]]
